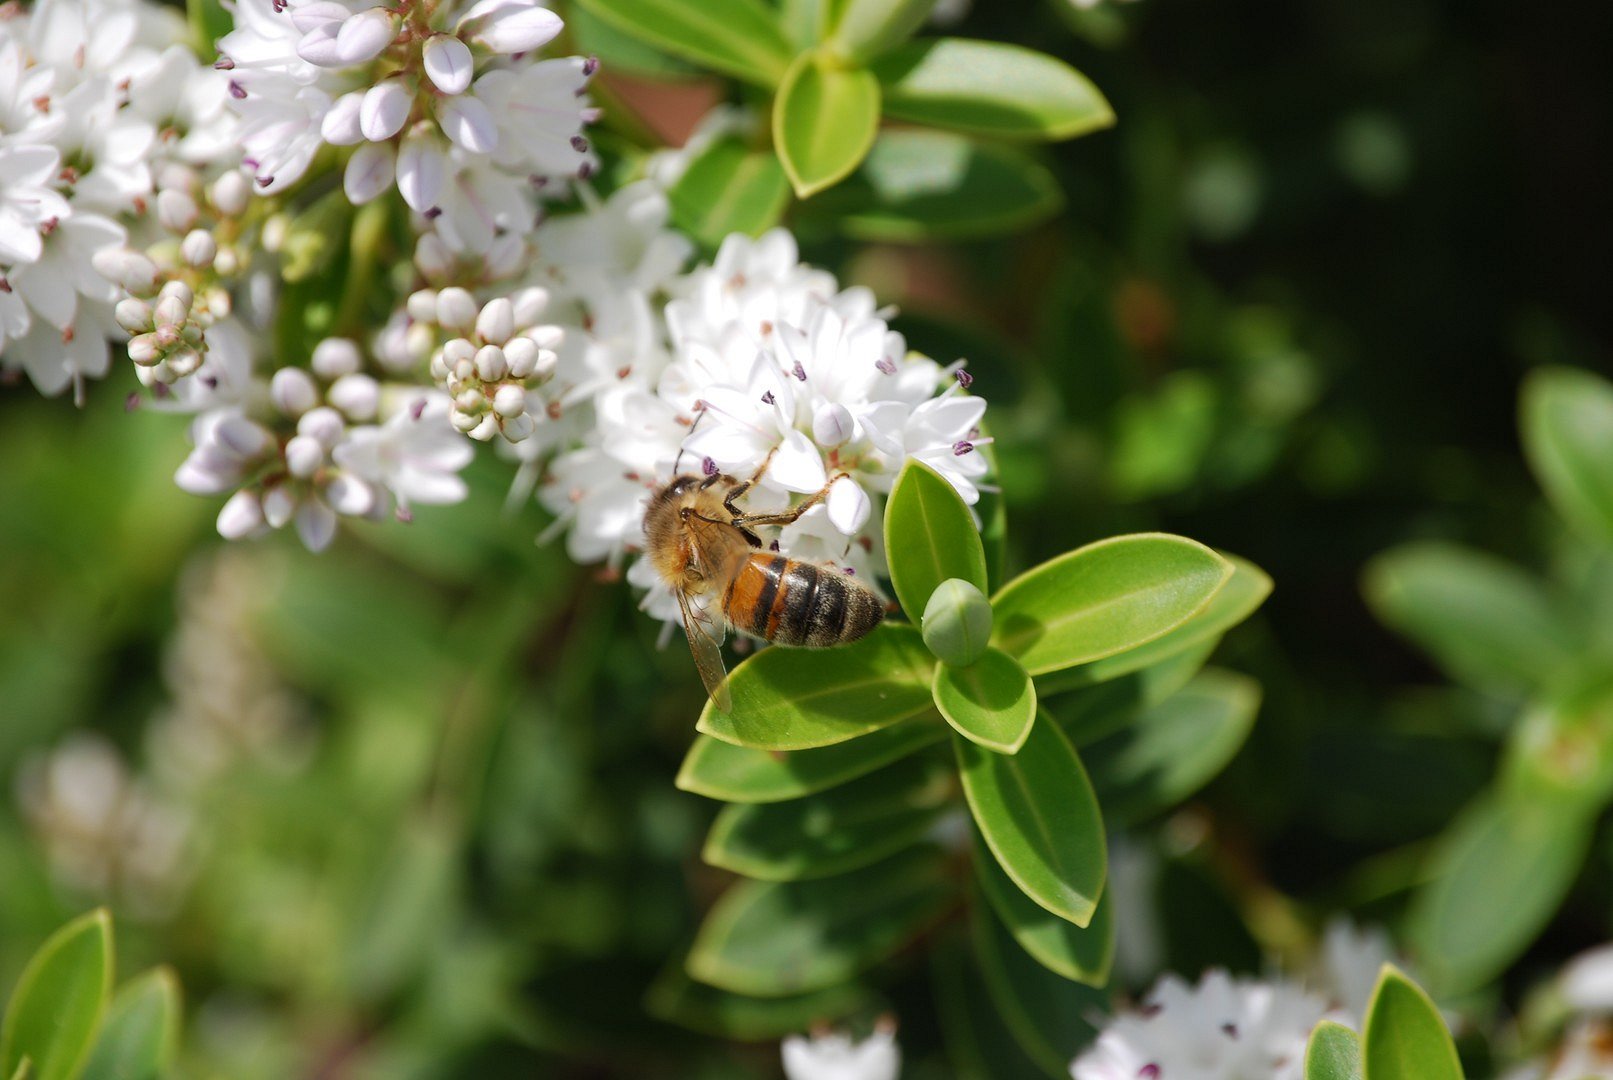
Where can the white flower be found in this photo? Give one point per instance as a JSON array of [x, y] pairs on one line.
[[1224, 1028], [416, 454], [1585, 1053], [107, 147], [1349, 961], [834, 1056], [27, 200]]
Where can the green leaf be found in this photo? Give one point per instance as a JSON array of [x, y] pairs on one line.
[[1234, 602], [1488, 623], [1082, 954], [1039, 816], [729, 188], [798, 699], [1567, 422], [934, 185], [1404, 1037], [1333, 1053], [1092, 712], [141, 1033], [1047, 1013], [1527, 850], [1562, 749], [866, 28], [824, 120], [720, 770], [736, 37], [1104, 598], [840, 830], [678, 999], [771, 939], [620, 51], [991, 702], [1174, 748], [989, 88], [58, 1002], [930, 536]]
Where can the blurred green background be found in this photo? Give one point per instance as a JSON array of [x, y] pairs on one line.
[[406, 809]]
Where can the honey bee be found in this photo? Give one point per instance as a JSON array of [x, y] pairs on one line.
[[703, 547]]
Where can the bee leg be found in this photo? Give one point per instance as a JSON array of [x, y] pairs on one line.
[[745, 485], [793, 514]]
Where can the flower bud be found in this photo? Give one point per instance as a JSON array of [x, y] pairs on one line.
[[275, 231], [334, 357], [126, 268], [324, 424], [218, 301], [133, 314], [496, 322], [513, 28], [176, 210], [304, 455], [547, 336], [369, 172], [339, 127], [832, 425], [241, 438], [293, 392], [448, 63], [170, 314], [518, 428], [184, 360], [491, 365], [240, 516], [178, 290], [471, 400], [178, 176], [463, 421], [228, 261], [509, 401], [544, 368], [521, 353], [231, 193], [457, 350], [279, 503], [433, 259], [529, 304], [362, 37], [357, 395], [144, 349], [957, 623], [198, 248], [384, 109], [456, 309], [349, 495], [485, 428], [417, 343], [422, 305]]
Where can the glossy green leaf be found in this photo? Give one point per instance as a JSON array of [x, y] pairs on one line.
[[866, 28], [738, 774], [979, 1043], [1234, 602], [1039, 816], [839, 830], [1404, 1037], [1081, 953], [991, 702], [1567, 422], [930, 536], [919, 185], [736, 37], [771, 939], [990, 88], [1048, 1014], [824, 120], [678, 999], [1526, 850], [619, 51], [729, 188], [1173, 749], [1488, 623], [59, 1000], [1092, 712], [141, 1033], [1105, 598], [1333, 1053], [798, 699]]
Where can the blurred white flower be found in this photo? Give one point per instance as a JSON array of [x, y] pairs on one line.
[[1585, 1053], [835, 1056], [415, 455], [1348, 962], [1224, 1028]]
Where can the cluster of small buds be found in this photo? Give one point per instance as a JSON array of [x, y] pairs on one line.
[[497, 356], [167, 342]]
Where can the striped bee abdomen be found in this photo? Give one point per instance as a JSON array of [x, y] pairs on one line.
[[800, 603]]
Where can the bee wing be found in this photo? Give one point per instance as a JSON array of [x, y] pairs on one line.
[[705, 642]]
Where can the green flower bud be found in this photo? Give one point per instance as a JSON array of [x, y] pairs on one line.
[[957, 622]]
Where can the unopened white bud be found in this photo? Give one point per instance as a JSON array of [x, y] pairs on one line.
[[543, 370], [547, 337], [126, 268], [176, 210], [335, 357], [133, 314], [417, 341], [240, 516], [184, 360], [279, 503], [456, 351], [432, 257], [231, 193], [218, 301], [496, 322], [198, 248], [518, 428], [471, 401], [228, 261], [324, 424], [422, 305], [357, 395], [304, 455], [521, 353], [439, 367], [456, 308], [832, 425], [293, 391], [463, 421], [241, 438], [485, 429], [148, 378], [145, 349], [170, 313], [528, 304], [178, 290], [275, 231], [509, 400], [349, 495], [491, 366]]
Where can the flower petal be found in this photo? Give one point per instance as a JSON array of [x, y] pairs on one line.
[[469, 123]]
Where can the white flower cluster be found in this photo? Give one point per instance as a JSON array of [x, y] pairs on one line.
[[832, 1055], [443, 99], [1232, 1028], [100, 102]]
